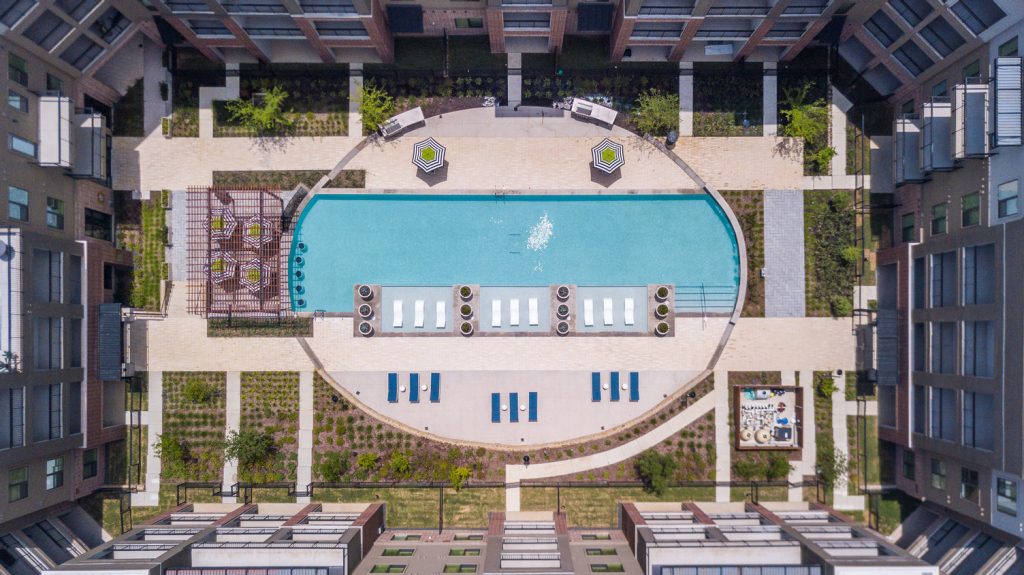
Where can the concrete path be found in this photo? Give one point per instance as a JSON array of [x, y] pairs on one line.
[[723, 447], [355, 99], [785, 281], [770, 99], [808, 453], [870, 408], [178, 234], [233, 419], [516, 473], [515, 79], [304, 473], [685, 99], [207, 95], [154, 418], [840, 435], [154, 106]]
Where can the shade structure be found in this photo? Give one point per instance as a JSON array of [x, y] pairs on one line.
[[608, 156], [255, 275], [222, 266], [257, 231], [428, 155], [221, 223]]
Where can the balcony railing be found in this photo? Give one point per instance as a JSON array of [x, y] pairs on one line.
[[738, 11], [724, 34]]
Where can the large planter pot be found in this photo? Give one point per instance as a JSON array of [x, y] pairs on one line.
[[466, 311], [466, 329], [562, 293], [466, 293], [661, 329], [662, 311], [365, 329], [562, 328], [661, 294], [365, 292], [365, 311], [562, 311]]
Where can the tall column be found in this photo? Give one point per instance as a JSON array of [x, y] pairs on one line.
[[557, 33], [496, 30], [770, 111], [686, 99]]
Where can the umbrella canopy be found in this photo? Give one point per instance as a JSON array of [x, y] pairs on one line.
[[255, 275], [257, 231], [428, 155], [222, 266], [222, 222], [608, 156]]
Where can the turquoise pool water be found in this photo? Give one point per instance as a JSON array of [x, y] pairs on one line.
[[417, 240]]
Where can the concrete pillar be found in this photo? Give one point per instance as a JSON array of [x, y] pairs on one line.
[[770, 111], [355, 99], [685, 99], [515, 79], [557, 33], [622, 29], [496, 30]]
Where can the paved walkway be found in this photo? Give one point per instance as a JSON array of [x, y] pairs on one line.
[[516, 473], [304, 473], [723, 447], [841, 437], [155, 421], [154, 106], [355, 99], [232, 422], [785, 282]]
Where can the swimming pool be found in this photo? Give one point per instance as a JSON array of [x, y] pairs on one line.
[[441, 240]]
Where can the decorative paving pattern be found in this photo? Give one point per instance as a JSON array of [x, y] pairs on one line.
[[785, 281]]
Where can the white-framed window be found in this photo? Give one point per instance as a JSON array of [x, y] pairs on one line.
[[1006, 496], [17, 203], [1008, 199], [54, 473]]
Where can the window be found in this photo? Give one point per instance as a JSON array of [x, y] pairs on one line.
[[17, 484], [596, 536], [75, 342], [54, 84], [466, 537], [938, 219], [919, 399], [909, 464], [943, 416], [13, 10], [913, 11], [388, 569], [908, 107], [12, 417], [46, 405], [979, 274], [942, 36], [21, 145], [969, 485], [1009, 48], [406, 537], [970, 210], [47, 275], [1006, 496], [978, 420], [920, 344], [99, 225], [55, 213], [90, 463], [940, 90], [17, 101], [883, 29], [602, 551], [54, 473], [944, 279], [17, 69], [463, 568], [74, 407], [938, 474], [913, 58], [977, 15], [469, 23], [920, 280], [979, 344], [607, 568], [907, 226], [943, 347], [397, 552], [1006, 199], [972, 71], [48, 342], [466, 552], [17, 203]]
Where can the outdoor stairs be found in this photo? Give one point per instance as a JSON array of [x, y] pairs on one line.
[[703, 300]]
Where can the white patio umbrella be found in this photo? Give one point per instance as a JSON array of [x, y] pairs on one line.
[[428, 155], [608, 156], [222, 266], [222, 222], [255, 275], [257, 231]]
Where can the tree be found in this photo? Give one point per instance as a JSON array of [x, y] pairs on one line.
[[777, 467], [808, 121], [458, 476], [832, 465], [399, 466], [173, 452], [376, 107], [656, 113], [747, 468], [655, 470], [333, 465], [196, 391], [267, 117], [367, 462], [249, 448]]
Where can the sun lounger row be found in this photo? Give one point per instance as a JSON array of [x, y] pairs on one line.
[[513, 312], [628, 311], [415, 388], [513, 407], [398, 314], [613, 387]]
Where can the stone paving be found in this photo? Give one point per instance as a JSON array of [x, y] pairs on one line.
[[785, 282]]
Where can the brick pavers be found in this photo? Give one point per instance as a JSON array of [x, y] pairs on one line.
[[785, 282]]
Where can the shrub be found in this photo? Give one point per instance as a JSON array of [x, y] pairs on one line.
[[376, 106], [367, 462], [458, 476], [656, 113], [197, 391], [268, 117], [808, 120], [825, 387], [841, 306], [333, 466], [399, 466], [777, 467], [655, 470], [174, 454], [747, 468], [249, 448], [832, 465]]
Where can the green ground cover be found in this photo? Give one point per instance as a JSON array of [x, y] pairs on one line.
[[863, 449], [596, 506], [830, 253], [194, 415], [726, 94], [255, 327], [145, 235], [270, 403], [748, 205], [127, 114], [191, 71], [288, 179]]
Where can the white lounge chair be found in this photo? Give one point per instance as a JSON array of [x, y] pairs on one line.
[[513, 312], [628, 310], [588, 312], [495, 313], [418, 316], [398, 321], [608, 319], [439, 323], [534, 316]]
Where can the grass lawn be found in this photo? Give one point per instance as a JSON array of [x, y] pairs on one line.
[[127, 116], [831, 257], [893, 509], [748, 205], [863, 433], [857, 385], [596, 506], [471, 54], [764, 493], [725, 94], [270, 402], [146, 239], [408, 507], [199, 424]]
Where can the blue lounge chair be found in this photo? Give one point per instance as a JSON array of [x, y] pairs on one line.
[[435, 387], [495, 408], [414, 387], [533, 406], [634, 386], [392, 388], [595, 386], [513, 407], [615, 386]]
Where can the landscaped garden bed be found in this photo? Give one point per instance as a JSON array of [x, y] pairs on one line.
[[831, 463], [748, 205], [862, 439], [288, 179], [259, 327], [832, 258], [127, 114], [728, 99], [804, 94], [753, 464], [191, 70], [270, 404], [142, 230], [193, 419]]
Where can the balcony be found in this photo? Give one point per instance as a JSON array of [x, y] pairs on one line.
[[665, 8], [341, 30], [906, 151], [806, 8], [936, 154], [527, 21], [327, 7], [254, 7], [55, 131], [11, 309], [657, 31], [753, 8], [787, 30], [90, 146], [1008, 74], [970, 120]]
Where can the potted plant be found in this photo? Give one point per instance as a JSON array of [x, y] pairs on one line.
[[365, 329], [466, 293], [562, 328], [562, 311], [662, 328], [466, 328], [365, 311], [661, 294], [562, 293], [661, 312], [365, 292], [165, 126], [466, 311]]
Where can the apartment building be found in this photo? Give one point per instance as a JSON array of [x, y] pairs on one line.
[[950, 307], [61, 418]]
